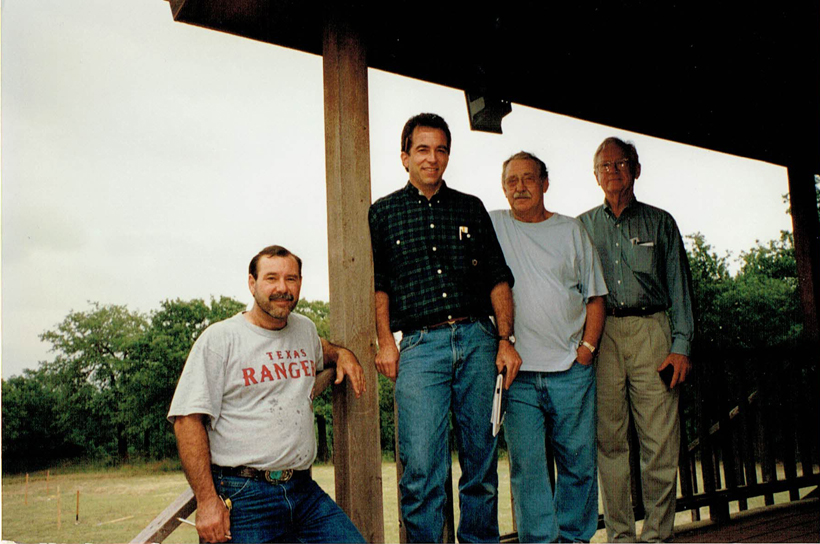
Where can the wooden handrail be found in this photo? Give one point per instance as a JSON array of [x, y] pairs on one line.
[[165, 523], [733, 413]]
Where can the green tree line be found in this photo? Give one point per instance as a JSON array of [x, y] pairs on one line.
[[106, 393]]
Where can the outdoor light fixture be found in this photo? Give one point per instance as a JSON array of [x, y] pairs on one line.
[[486, 111]]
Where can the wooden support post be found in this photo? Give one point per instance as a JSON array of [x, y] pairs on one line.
[[357, 449], [26, 495], [803, 200]]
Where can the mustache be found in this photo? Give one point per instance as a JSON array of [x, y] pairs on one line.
[[284, 296], [522, 194]]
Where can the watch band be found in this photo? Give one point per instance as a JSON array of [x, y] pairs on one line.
[[589, 346]]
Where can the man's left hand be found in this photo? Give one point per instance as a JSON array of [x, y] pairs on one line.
[[348, 365], [507, 358], [682, 366]]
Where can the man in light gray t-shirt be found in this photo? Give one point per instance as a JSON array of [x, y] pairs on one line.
[[559, 316], [243, 417]]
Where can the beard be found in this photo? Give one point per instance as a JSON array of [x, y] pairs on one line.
[[266, 304]]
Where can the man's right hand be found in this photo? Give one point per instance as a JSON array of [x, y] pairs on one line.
[[213, 520], [387, 360]]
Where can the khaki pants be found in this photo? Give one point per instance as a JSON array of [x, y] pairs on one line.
[[632, 348]]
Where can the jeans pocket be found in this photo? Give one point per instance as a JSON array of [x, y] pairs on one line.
[[487, 327], [410, 341], [231, 486]]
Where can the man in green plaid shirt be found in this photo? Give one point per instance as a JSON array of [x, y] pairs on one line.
[[439, 274]]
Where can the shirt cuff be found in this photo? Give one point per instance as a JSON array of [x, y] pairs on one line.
[[681, 346]]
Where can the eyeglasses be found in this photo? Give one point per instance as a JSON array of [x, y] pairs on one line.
[[619, 165]]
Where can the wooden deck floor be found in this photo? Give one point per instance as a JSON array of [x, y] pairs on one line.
[[792, 522]]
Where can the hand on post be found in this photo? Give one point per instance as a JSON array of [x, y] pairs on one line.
[[348, 365]]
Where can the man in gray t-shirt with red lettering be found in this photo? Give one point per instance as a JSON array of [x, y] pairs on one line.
[[243, 417]]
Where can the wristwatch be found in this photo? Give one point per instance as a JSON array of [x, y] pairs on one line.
[[510, 338], [589, 346]]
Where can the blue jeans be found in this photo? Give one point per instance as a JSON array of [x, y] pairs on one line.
[[444, 369], [559, 406], [295, 511]]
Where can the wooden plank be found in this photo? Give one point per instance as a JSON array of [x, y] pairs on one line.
[[165, 523], [357, 451], [789, 522], [786, 386]]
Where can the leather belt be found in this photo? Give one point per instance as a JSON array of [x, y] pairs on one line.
[[634, 312], [269, 476], [448, 322]]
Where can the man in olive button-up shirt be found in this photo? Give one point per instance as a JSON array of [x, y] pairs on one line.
[[644, 352]]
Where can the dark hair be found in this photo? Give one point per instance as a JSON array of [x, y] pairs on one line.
[[628, 148], [543, 173], [272, 251], [429, 120]]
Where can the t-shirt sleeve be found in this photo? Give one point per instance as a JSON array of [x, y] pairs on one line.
[[591, 272], [201, 384]]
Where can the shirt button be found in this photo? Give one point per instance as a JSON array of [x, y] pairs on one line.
[[619, 282], [616, 262], [432, 226], [449, 317], [434, 248], [439, 270], [444, 295], [398, 242]]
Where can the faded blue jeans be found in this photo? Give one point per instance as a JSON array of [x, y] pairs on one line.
[[295, 511], [443, 369], [560, 407]]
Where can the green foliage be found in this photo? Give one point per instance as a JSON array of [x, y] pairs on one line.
[[319, 312], [386, 422], [107, 391], [163, 350], [775, 260], [32, 439], [94, 349], [710, 281], [757, 308]]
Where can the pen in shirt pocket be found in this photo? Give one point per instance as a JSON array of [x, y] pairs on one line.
[[462, 232]]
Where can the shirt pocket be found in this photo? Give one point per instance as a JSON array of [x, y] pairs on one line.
[[643, 258]]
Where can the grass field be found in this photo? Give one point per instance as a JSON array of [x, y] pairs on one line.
[[117, 503]]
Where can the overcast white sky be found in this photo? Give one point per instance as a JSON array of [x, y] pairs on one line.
[[145, 160]]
